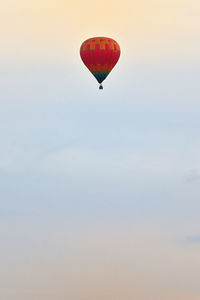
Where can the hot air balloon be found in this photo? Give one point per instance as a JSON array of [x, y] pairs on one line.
[[100, 55]]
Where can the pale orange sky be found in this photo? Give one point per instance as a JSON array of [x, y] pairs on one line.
[[102, 263], [51, 29]]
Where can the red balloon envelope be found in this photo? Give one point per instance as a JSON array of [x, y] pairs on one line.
[[100, 55]]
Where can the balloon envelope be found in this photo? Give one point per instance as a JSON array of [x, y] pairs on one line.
[[100, 55]]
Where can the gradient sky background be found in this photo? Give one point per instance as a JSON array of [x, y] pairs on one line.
[[100, 190]]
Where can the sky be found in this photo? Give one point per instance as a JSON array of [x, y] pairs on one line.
[[99, 190]]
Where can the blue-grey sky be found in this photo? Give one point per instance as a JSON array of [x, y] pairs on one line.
[[99, 190]]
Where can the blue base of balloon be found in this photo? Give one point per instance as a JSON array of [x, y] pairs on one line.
[[100, 77]]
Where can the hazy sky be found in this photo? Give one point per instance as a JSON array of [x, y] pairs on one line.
[[99, 190]]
